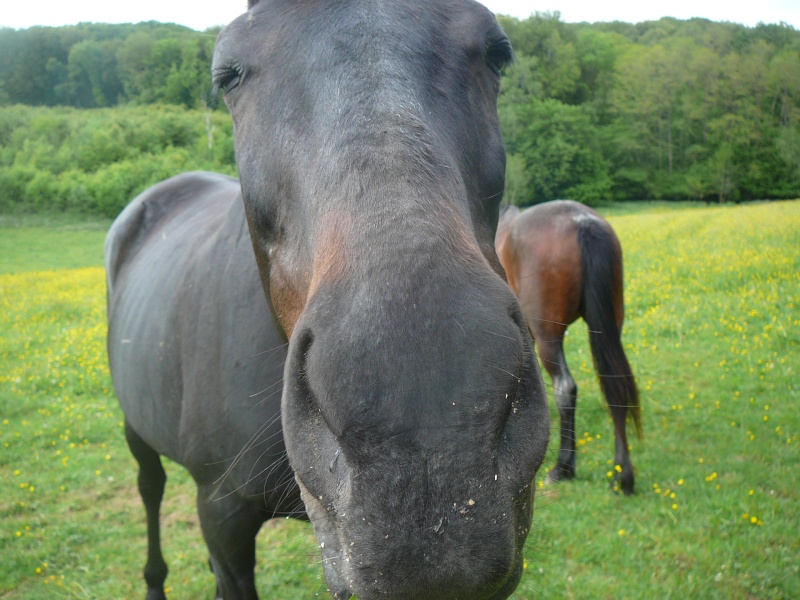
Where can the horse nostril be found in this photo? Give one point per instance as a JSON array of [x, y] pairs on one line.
[[300, 354], [519, 320], [332, 466], [303, 347]]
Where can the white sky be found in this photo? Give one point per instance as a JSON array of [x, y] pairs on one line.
[[200, 14]]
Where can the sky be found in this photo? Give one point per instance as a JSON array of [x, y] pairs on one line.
[[200, 14]]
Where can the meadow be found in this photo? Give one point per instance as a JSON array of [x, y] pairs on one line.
[[712, 332]]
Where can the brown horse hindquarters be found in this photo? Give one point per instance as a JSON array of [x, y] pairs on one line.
[[542, 258], [564, 261]]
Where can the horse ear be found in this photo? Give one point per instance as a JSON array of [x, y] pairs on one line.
[[251, 4]]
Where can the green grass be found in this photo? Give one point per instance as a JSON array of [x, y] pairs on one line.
[[57, 241], [712, 331], [615, 208]]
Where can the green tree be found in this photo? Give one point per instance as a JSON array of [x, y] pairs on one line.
[[561, 153], [35, 64], [133, 58], [597, 56], [520, 84], [518, 184], [93, 79], [552, 43]]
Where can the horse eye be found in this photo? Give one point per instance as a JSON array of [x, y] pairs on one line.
[[499, 54], [227, 77]]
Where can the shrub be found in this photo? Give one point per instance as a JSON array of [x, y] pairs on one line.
[[13, 182], [95, 161]]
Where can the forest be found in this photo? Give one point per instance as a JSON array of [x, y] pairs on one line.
[[677, 110]]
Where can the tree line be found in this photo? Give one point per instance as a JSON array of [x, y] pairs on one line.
[[101, 65], [663, 109]]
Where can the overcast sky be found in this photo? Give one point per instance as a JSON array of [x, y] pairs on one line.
[[200, 14]]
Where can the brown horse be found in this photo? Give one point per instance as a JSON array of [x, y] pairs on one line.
[[564, 261]]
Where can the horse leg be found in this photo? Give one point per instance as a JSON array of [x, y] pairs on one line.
[[623, 468], [230, 526], [551, 352], [151, 488]]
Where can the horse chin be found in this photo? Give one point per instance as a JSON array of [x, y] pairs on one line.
[[330, 548], [332, 557], [336, 586], [512, 582], [344, 580]]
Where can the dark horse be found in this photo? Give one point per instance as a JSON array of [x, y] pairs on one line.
[[332, 335], [564, 261]]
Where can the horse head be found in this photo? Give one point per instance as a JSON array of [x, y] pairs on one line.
[[372, 167]]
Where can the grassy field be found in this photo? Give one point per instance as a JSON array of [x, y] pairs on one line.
[[712, 332]]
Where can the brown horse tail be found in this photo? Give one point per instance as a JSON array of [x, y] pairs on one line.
[[602, 300]]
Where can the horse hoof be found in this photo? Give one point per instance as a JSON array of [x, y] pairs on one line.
[[623, 482], [558, 474]]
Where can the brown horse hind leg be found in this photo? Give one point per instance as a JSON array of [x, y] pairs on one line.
[[623, 467], [551, 352], [151, 488], [230, 525]]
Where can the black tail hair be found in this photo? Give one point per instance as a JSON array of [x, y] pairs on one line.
[[602, 268]]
